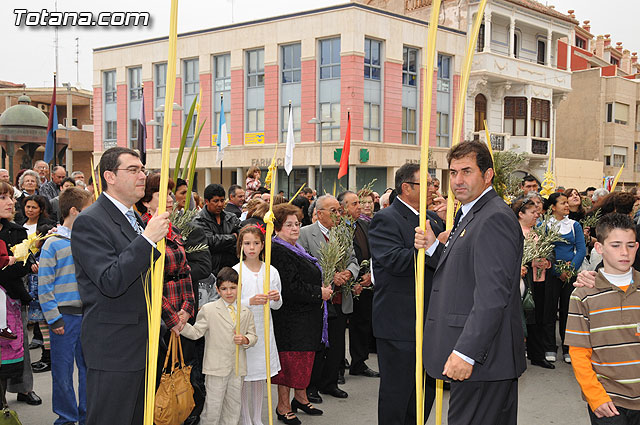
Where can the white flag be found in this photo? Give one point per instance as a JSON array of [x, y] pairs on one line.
[[291, 142], [223, 138]]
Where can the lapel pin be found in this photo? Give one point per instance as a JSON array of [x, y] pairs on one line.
[[463, 232]]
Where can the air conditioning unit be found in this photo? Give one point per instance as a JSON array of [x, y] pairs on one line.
[[43, 107]]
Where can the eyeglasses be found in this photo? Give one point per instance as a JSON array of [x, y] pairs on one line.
[[292, 225], [413, 183], [134, 170]]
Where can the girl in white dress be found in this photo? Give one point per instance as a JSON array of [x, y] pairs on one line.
[[251, 241]]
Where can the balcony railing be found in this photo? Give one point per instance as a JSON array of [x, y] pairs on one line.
[[498, 140], [539, 147]]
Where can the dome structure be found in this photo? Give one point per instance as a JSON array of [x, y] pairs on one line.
[[24, 115]]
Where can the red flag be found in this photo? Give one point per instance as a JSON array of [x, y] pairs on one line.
[[344, 159]]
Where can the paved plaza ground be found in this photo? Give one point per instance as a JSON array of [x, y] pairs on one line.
[[545, 397]]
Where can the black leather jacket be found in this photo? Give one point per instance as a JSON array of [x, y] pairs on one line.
[[221, 238]]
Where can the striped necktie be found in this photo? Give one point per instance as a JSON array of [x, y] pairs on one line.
[[131, 216]]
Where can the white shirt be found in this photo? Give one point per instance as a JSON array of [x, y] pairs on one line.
[[323, 229], [124, 210], [619, 279]]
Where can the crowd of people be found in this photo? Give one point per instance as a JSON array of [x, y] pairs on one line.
[[81, 290]]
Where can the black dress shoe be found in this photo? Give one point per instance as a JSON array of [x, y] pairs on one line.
[[335, 391], [543, 363], [341, 380], [39, 367], [30, 398], [288, 418], [369, 373], [306, 408], [34, 345], [314, 397], [192, 420]]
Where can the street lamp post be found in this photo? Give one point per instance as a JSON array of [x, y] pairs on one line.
[[321, 121]]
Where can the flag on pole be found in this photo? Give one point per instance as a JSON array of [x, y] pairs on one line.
[[344, 159], [223, 139], [49, 148], [291, 142], [142, 132]]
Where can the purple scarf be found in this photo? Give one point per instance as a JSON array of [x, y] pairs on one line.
[[365, 218], [299, 251]]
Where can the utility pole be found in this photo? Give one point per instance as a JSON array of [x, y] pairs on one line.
[[77, 62], [56, 41]]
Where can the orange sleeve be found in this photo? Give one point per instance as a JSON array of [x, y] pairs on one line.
[[591, 388]]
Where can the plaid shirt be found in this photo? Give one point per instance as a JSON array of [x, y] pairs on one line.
[[177, 293]]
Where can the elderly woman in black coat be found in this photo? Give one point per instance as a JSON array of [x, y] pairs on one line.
[[298, 324]]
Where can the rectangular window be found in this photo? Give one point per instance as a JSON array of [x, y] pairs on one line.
[[444, 73], [330, 131], [161, 91], [191, 78], [372, 59], [161, 80], [619, 155], [110, 89], [135, 83], [617, 113], [442, 129], [330, 58], [110, 130], [607, 160], [481, 39], [409, 132], [296, 110], [255, 120], [133, 128], [222, 71], [614, 61], [255, 68], [409, 66], [540, 113], [581, 43], [191, 88], [515, 116], [371, 120], [542, 52], [291, 67]]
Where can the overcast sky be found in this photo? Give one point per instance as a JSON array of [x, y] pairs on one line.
[[28, 52]]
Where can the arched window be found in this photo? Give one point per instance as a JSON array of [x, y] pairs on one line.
[[480, 112]]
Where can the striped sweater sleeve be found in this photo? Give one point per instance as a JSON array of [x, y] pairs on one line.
[[578, 337], [46, 283]]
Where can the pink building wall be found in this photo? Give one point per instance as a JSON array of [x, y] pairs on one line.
[[308, 106], [123, 119], [237, 107], [392, 109], [352, 95], [271, 86], [97, 119]]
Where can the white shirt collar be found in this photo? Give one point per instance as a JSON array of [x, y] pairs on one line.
[[119, 205], [467, 207], [226, 304], [323, 229], [407, 205]]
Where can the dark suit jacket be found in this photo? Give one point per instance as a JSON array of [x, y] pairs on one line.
[[111, 260], [391, 237], [475, 301]]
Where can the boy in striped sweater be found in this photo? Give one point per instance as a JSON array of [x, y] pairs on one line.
[[62, 308], [603, 329]]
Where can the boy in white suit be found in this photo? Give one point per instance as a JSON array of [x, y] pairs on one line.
[[217, 322]]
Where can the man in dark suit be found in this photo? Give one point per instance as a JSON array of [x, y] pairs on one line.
[[391, 237], [236, 200], [324, 376], [360, 321], [302, 201], [473, 332], [112, 250]]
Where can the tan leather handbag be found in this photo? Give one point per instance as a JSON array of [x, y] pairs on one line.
[[174, 398]]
